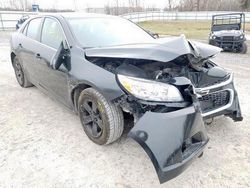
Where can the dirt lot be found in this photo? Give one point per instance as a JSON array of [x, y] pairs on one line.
[[43, 145]]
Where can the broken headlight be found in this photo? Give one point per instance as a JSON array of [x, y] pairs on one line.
[[150, 90]]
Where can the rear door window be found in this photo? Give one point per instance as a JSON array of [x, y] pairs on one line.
[[52, 34], [33, 28]]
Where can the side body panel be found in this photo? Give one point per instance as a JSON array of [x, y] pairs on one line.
[[26, 52], [54, 81], [84, 72]]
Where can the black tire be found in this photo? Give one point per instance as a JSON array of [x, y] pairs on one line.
[[102, 120], [200, 155], [243, 49], [20, 75]]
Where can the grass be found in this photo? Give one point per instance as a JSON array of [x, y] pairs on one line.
[[192, 29]]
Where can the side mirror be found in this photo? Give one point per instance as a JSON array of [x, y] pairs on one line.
[[62, 56], [65, 45], [154, 35]]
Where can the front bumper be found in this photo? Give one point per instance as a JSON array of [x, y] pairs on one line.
[[171, 140], [227, 45]]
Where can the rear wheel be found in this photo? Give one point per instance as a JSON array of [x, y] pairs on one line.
[[20, 75], [243, 49], [102, 120]]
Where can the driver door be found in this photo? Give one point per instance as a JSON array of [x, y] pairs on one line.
[[53, 81]]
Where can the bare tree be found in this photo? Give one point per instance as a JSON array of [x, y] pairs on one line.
[[197, 4], [24, 5], [170, 5], [117, 7], [244, 4], [211, 5]]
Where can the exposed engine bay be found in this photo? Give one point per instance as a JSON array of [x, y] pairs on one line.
[[200, 74]]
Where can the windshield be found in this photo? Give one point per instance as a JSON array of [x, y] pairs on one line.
[[226, 27], [101, 32]]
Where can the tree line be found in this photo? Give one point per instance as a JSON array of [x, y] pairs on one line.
[[213, 5], [179, 5]]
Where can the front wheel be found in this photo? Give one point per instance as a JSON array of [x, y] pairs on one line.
[[243, 49], [102, 120]]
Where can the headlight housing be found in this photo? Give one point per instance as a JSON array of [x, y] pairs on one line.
[[213, 37], [239, 37], [150, 90]]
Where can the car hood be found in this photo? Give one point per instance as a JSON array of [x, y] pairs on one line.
[[164, 50], [223, 33]]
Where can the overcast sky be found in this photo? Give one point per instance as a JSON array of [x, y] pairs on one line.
[[81, 4]]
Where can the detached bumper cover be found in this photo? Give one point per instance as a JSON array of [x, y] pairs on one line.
[[171, 140]]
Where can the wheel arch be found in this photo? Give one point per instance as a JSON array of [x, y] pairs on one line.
[[109, 93], [75, 93], [12, 56]]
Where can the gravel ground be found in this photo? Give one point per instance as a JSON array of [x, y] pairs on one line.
[[43, 145]]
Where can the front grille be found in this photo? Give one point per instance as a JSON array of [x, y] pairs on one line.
[[214, 101], [218, 81], [228, 38]]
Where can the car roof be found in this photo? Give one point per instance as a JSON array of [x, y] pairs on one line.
[[78, 15]]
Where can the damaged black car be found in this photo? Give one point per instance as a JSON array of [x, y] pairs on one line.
[[108, 70]]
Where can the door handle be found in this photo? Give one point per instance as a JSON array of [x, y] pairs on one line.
[[38, 56]]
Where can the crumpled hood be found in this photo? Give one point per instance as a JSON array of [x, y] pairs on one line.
[[223, 33], [164, 50]]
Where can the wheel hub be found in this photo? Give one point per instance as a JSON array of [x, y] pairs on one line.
[[91, 118], [19, 73]]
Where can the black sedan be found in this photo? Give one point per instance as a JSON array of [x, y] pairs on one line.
[[106, 68]]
